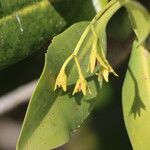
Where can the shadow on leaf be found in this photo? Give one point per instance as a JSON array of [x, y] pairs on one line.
[[138, 104]]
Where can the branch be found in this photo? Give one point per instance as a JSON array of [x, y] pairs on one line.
[[16, 97]]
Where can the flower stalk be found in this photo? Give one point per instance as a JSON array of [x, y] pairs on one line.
[[96, 58], [81, 84]]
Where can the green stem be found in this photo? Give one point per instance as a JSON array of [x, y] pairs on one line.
[[93, 31], [99, 14], [78, 67], [86, 31], [77, 48], [81, 40], [66, 62]]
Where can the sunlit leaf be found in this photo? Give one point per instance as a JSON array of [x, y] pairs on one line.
[[9, 6], [140, 20], [136, 97]]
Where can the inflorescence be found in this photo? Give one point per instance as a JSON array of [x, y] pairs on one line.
[[97, 56]]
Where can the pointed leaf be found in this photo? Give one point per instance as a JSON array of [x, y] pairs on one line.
[[53, 116]]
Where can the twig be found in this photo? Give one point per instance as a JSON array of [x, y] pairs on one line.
[[16, 97]]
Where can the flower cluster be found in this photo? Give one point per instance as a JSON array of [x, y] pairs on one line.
[[97, 57], [81, 84]]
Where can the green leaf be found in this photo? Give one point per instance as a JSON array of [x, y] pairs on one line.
[[52, 117], [9, 6], [99, 4], [21, 31], [102, 23], [140, 20], [30, 28], [136, 97]]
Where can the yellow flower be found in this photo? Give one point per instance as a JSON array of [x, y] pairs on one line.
[[101, 62], [105, 74], [100, 57], [81, 85], [61, 81], [93, 58], [105, 64], [105, 68]]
